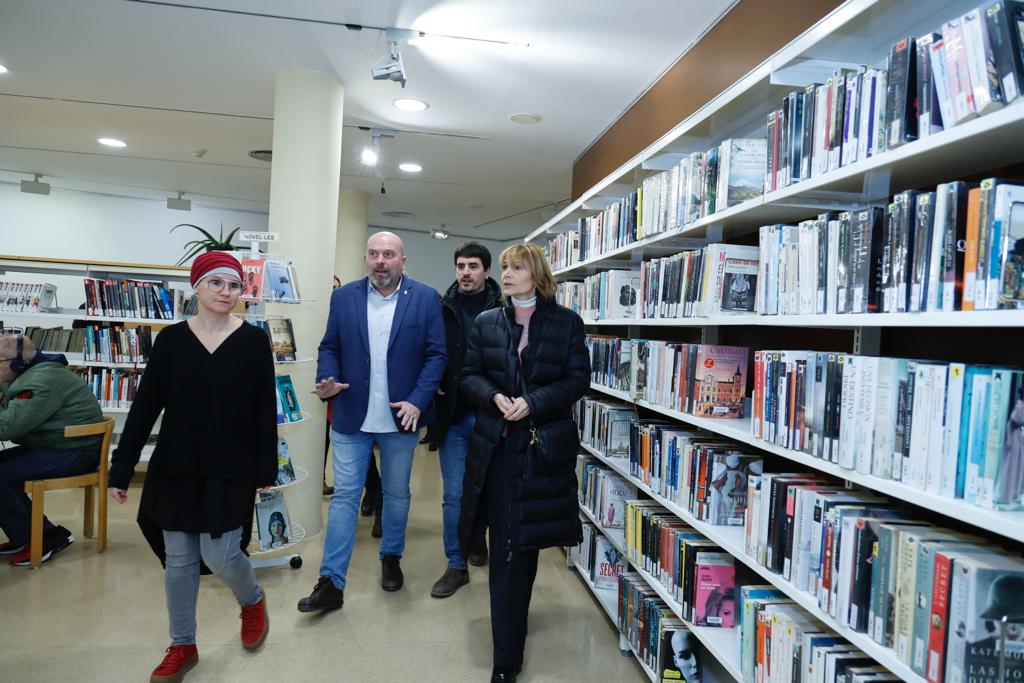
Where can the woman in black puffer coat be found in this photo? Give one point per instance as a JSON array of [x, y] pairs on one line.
[[525, 366]]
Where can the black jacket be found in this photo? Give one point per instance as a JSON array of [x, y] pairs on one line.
[[455, 338], [543, 510]]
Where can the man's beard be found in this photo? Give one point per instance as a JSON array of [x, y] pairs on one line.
[[382, 281]]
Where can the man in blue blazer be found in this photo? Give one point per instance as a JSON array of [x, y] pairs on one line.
[[380, 362]]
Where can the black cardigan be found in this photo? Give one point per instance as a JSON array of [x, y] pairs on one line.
[[218, 437]]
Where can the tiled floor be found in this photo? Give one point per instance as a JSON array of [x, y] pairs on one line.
[[101, 617]]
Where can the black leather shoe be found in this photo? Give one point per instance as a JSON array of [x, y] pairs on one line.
[[391, 577], [451, 581], [325, 596], [478, 552], [377, 531], [505, 674]]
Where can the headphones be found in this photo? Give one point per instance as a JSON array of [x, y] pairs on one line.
[[18, 363]]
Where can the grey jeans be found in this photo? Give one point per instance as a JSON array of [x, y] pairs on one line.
[[181, 579]]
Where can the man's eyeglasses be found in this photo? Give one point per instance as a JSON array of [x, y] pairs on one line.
[[217, 285]]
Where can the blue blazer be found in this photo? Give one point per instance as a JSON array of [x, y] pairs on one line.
[[417, 355]]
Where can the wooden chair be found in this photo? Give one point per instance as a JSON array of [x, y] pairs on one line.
[[36, 489]]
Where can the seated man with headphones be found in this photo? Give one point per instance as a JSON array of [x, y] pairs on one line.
[[39, 397]]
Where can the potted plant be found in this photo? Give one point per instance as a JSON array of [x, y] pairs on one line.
[[207, 243]]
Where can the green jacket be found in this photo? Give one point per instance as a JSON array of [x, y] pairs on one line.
[[37, 406]]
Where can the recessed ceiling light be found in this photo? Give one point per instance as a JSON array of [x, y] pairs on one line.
[[3, 69], [397, 214], [112, 142], [369, 157], [410, 104], [410, 167], [524, 118]]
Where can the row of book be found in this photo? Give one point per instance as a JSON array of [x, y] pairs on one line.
[[112, 388], [660, 639], [26, 297], [598, 559], [882, 571], [117, 344], [779, 642], [956, 248], [282, 337], [268, 280], [693, 570], [288, 409], [717, 279], [132, 299], [56, 339], [970, 66], [602, 492], [699, 379], [700, 184], [953, 429]]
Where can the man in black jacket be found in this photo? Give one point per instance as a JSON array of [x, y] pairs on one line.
[[472, 293]]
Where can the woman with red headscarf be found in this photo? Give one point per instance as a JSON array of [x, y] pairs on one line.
[[212, 376]]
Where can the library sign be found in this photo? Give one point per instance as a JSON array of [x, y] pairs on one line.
[[251, 236]]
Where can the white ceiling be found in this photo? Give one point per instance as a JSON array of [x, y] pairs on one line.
[[170, 79]]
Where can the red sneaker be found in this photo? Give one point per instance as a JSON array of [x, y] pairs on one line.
[[177, 662], [255, 624]]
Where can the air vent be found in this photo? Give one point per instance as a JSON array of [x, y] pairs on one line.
[[262, 155], [397, 214]]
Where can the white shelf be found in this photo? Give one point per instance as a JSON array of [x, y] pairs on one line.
[[608, 598], [79, 314], [298, 359], [77, 360], [847, 320], [731, 540], [114, 411], [1007, 524]]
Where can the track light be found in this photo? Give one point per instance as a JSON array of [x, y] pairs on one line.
[[369, 156], [179, 203], [441, 234], [390, 67], [34, 186]]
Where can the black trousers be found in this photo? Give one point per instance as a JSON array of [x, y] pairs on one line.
[[510, 579]]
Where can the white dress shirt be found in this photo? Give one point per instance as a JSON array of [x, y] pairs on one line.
[[380, 312]]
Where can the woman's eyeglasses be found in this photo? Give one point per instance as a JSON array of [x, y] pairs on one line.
[[217, 285]]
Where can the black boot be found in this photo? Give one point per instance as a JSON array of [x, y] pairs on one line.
[[325, 596], [505, 674], [391, 577]]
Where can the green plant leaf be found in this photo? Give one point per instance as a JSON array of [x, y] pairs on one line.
[[208, 236]]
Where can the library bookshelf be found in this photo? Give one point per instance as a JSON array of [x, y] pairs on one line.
[[858, 32]]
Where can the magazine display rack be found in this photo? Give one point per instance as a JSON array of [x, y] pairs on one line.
[[858, 32], [255, 313], [71, 273]]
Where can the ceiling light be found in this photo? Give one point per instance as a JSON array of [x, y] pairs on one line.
[[397, 214], [112, 142], [3, 69], [525, 119], [410, 167], [410, 104], [440, 234], [179, 203], [34, 186], [390, 67], [369, 156]]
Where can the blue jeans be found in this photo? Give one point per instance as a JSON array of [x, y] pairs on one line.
[[21, 464], [453, 470], [352, 453], [223, 556]]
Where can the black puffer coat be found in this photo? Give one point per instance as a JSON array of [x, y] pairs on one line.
[[544, 511]]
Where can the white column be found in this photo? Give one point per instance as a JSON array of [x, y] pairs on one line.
[[353, 213], [304, 181]]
